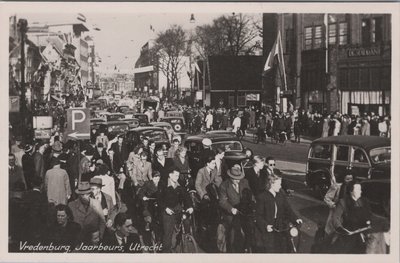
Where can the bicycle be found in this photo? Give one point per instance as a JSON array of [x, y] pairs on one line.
[[185, 242], [293, 234], [151, 234]]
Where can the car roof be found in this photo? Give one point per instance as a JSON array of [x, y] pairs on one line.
[[145, 128], [366, 142], [116, 122], [131, 119], [160, 123], [139, 114], [97, 120], [217, 137]]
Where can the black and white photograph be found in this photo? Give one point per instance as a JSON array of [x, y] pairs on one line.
[[200, 128]]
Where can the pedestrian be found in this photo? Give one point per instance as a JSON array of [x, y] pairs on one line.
[[273, 212], [365, 127], [220, 163], [248, 161], [103, 139], [173, 148], [181, 163], [382, 126], [101, 154], [86, 161], [86, 211], [173, 199], [296, 130], [125, 235], [147, 195], [325, 127], [121, 152], [231, 192], [209, 121], [63, 231], [103, 172], [236, 124], [28, 165], [36, 211], [162, 165], [206, 152], [15, 173], [205, 176], [256, 175], [142, 171], [57, 186], [108, 208], [38, 160]]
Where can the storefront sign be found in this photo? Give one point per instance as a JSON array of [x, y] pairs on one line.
[[252, 97], [364, 52], [42, 122]]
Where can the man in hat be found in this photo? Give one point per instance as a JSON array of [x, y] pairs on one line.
[[207, 151], [231, 193], [28, 165], [86, 211], [106, 202], [57, 184]]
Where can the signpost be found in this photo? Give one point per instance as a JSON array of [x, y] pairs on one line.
[[78, 124]]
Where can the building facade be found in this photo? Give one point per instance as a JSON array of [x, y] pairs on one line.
[[334, 62]]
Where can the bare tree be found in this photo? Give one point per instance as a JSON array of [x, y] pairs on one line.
[[171, 46], [228, 35]]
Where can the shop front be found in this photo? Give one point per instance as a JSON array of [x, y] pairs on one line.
[[364, 79]]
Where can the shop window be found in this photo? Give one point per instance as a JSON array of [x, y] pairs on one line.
[[318, 37], [241, 99], [342, 153], [343, 34], [366, 31], [308, 38], [343, 78], [332, 34], [376, 30]]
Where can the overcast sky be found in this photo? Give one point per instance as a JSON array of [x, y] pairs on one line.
[[123, 35]]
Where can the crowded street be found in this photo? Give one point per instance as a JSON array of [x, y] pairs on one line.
[[108, 156]]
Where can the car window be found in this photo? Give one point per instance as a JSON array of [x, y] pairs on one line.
[[382, 154], [228, 146], [118, 128], [342, 153], [193, 147], [155, 135], [359, 156], [321, 151]]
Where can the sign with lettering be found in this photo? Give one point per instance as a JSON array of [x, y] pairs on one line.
[[78, 124], [364, 52]]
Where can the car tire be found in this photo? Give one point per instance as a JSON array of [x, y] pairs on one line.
[[177, 127]]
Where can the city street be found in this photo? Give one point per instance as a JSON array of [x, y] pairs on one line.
[[291, 159]]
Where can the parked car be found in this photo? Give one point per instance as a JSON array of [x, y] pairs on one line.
[[133, 122], [366, 157], [95, 123], [234, 150], [122, 109], [143, 119], [114, 128], [108, 116], [177, 123], [156, 134]]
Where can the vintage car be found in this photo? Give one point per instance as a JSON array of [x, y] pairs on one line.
[[143, 119], [133, 122], [234, 150], [174, 114], [156, 134], [177, 123], [114, 128], [108, 116], [366, 157], [95, 123]]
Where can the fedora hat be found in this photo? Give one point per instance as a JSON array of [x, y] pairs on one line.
[[96, 181], [83, 188], [28, 148], [236, 172]]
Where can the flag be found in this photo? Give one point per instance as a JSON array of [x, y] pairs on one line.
[[277, 50]]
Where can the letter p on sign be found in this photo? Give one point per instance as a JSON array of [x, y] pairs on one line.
[[75, 117]]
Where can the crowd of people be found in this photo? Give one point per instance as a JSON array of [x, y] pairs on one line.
[[81, 196]]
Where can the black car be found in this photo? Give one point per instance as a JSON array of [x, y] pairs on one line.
[[177, 123], [234, 150], [156, 134], [96, 122], [368, 158], [143, 119], [114, 128]]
